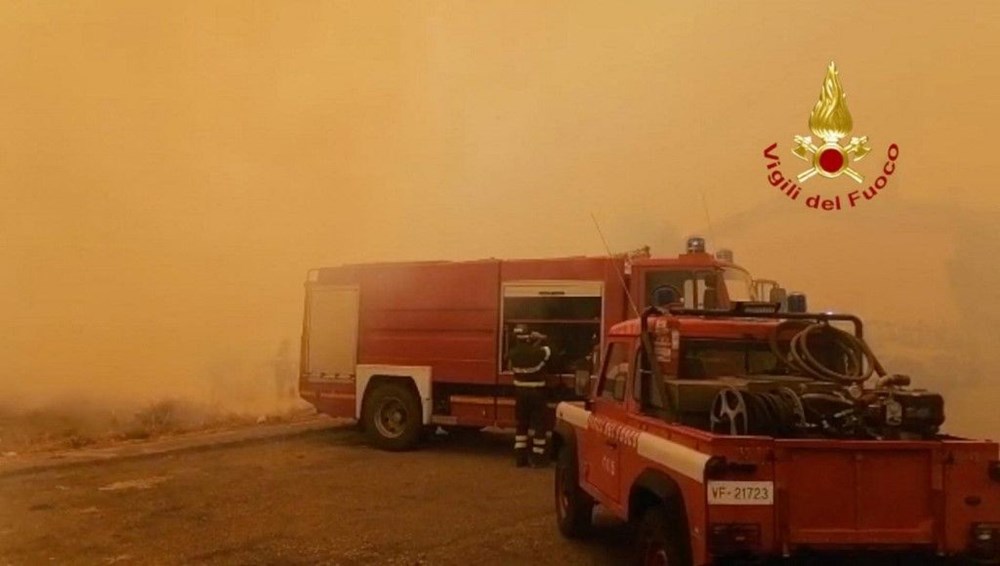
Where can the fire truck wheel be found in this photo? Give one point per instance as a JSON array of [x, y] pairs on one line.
[[657, 541], [574, 507], [392, 417]]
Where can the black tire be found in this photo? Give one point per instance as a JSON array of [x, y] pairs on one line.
[[658, 541], [574, 507], [392, 417]]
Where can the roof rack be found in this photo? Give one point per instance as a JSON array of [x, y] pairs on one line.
[[739, 311]]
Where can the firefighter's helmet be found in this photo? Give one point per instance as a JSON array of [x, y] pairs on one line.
[[521, 332]]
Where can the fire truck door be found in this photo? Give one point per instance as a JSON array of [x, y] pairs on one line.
[[333, 332], [604, 470], [604, 450]]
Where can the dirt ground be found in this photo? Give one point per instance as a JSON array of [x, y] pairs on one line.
[[78, 424], [318, 498]]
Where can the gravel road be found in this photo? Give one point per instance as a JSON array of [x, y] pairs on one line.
[[318, 498]]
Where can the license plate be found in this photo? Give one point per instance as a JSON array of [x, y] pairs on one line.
[[740, 493]]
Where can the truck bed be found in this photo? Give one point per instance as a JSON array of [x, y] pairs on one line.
[[843, 494]]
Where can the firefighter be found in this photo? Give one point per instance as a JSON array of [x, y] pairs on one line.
[[528, 357]]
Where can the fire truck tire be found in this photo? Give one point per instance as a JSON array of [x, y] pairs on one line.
[[658, 542], [574, 507], [392, 417]]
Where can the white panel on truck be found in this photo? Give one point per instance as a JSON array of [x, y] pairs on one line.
[[333, 331], [553, 289]]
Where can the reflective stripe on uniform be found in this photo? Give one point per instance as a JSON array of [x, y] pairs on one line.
[[529, 383], [520, 444], [539, 442], [538, 450], [532, 369]]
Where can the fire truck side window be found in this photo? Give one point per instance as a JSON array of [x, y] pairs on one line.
[[688, 287], [616, 372], [663, 287]]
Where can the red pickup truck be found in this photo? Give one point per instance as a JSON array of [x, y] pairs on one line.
[[751, 434]]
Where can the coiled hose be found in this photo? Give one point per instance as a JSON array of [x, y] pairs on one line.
[[778, 412], [860, 361]]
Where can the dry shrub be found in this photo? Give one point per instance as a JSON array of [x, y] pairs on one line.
[[73, 425]]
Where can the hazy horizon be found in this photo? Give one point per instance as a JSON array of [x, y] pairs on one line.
[[169, 171]]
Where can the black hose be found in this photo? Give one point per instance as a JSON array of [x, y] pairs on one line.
[[785, 356], [771, 413], [861, 361]]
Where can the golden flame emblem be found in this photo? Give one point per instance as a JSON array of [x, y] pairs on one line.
[[830, 120]]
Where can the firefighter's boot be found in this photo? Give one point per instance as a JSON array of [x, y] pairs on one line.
[[521, 450], [539, 453]]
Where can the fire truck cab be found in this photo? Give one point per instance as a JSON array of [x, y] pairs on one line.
[[748, 433], [406, 346]]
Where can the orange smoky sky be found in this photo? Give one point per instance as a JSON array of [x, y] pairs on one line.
[[170, 170]]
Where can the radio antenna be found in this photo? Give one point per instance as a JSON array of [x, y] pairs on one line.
[[611, 260]]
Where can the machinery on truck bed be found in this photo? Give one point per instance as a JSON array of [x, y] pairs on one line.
[[745, 433], [403, 346]]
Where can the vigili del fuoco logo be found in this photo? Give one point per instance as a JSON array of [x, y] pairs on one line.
[[825, 157]]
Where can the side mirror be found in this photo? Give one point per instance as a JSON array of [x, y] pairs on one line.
[[581, 384], [778, 295], [583, 375], [797, 303]]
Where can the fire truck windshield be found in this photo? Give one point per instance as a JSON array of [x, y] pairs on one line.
[[689, 287], [739, 286]]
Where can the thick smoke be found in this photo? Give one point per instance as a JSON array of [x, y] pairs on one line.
[[168, 172], [919, 276]]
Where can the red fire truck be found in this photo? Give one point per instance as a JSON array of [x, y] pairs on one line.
[[403, 346], [751, 434]]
